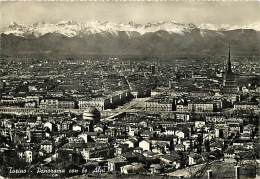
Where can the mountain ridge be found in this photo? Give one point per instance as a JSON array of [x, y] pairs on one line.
[[71, 28], [162, 38]]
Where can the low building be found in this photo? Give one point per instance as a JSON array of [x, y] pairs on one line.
[[201, 106], [173, 160], [115, 164], [66, 104], [159, 104], [51, 103], [195, 159], [46, 146], [99, 103], [145, 145], [182, 105], [246, 105]]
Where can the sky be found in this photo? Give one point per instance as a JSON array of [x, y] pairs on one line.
[[227, 12]]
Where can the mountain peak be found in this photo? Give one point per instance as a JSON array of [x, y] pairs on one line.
[[226, 27], [71, 28]]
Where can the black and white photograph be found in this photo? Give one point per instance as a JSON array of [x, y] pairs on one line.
[[132, 89]]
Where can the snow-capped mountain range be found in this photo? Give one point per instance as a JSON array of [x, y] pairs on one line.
[[226, 27], [72, 28], [159, 38]]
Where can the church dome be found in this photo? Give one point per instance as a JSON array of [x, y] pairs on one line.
[[91, 113]]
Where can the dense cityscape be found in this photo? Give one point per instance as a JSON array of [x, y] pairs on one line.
[[183, 117]]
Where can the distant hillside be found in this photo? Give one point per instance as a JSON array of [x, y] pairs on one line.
[[155, 39]]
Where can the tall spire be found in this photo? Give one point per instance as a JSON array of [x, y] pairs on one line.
[[229, 59]]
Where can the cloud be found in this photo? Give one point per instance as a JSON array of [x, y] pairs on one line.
[[234, 13]]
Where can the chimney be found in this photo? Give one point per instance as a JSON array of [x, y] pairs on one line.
[[210, 174], [237, 172]]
